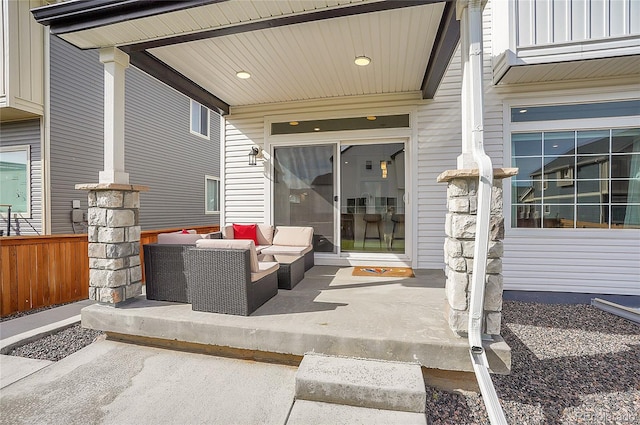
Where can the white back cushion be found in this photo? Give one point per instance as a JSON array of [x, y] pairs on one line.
[[233, 244], [293, 236]]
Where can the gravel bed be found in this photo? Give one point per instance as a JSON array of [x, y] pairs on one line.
[[571, 364], [58, 345]]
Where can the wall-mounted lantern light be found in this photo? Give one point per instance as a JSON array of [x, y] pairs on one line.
[[255, 153]]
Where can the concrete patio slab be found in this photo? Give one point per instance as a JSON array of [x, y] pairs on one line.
[[110, 382], [329, 312]]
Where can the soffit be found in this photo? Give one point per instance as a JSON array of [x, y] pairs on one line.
[[196, 19], [313, 60], [295, 50], [576, 70]]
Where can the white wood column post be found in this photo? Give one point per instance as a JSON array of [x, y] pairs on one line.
[[465, 159], [115, 63]]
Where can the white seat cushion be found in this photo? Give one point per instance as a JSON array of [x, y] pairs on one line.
[[290, 250], [266, 268], [233, 244]]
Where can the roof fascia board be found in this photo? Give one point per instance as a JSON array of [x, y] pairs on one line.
[[75, 16], [163, 72], [444, 48], [319, 15]]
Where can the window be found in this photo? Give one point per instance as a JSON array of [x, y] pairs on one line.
[[578, 178], [212, 194], [15, 175], [199, 119], [341, 124]]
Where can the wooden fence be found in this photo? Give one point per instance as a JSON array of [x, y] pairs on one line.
[[39, 271]]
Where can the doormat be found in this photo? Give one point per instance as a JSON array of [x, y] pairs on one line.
[[383, 271]]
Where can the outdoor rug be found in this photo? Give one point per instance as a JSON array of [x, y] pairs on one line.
[[383, 271]]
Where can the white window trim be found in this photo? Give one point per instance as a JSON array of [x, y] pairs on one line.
[[197, 133], [206, 204], [558, 125], [27, 148]]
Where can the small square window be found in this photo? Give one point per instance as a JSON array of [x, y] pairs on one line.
[[212, 194], [199, 119]]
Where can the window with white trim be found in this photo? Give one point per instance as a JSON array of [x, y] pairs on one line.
[[15, 178], [212, 194], [575, 177], [199, 119]]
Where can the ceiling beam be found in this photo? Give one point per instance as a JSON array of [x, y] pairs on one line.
[[444, 47], [163, 72], [319, 15], [75, 16]]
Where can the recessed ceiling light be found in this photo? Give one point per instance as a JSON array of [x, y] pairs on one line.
[[316, 129], [522, 111], [243, 75], [362, 61], [293, 123], [372, 118]]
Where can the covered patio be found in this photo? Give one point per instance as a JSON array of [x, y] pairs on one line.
[[262, 64], [330, 312]]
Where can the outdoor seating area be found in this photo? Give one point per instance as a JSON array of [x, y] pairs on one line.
[[233, 271]]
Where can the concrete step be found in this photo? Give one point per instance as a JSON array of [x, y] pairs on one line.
[[316, 413], [366, 383]]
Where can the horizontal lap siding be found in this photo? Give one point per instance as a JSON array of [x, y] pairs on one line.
[[160, 151], [606, 261], [244, 186], [25, 133]]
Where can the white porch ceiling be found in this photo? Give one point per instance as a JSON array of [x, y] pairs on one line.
[[313, 60], [294, 49]]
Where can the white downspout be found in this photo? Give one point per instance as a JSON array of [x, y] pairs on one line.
[[472, 18]]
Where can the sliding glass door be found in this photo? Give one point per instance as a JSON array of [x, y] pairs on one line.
[[351, 194], [304, 191], [372, 213]]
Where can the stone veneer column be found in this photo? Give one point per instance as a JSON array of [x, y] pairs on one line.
[[115, 273], [460, 229]]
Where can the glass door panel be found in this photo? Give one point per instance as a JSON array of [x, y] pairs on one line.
[[304, 191], [372, 198]]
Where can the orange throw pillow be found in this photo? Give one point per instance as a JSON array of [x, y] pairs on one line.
[[246, 231]]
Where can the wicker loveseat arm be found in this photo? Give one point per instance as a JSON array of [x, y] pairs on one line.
[[219, 281], [164, 272]]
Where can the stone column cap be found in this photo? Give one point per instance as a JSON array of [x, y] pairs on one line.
[[112, 186], [498, 173]]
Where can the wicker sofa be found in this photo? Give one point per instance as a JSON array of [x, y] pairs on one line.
[[164, 265], [288, 240], [225, 276]]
